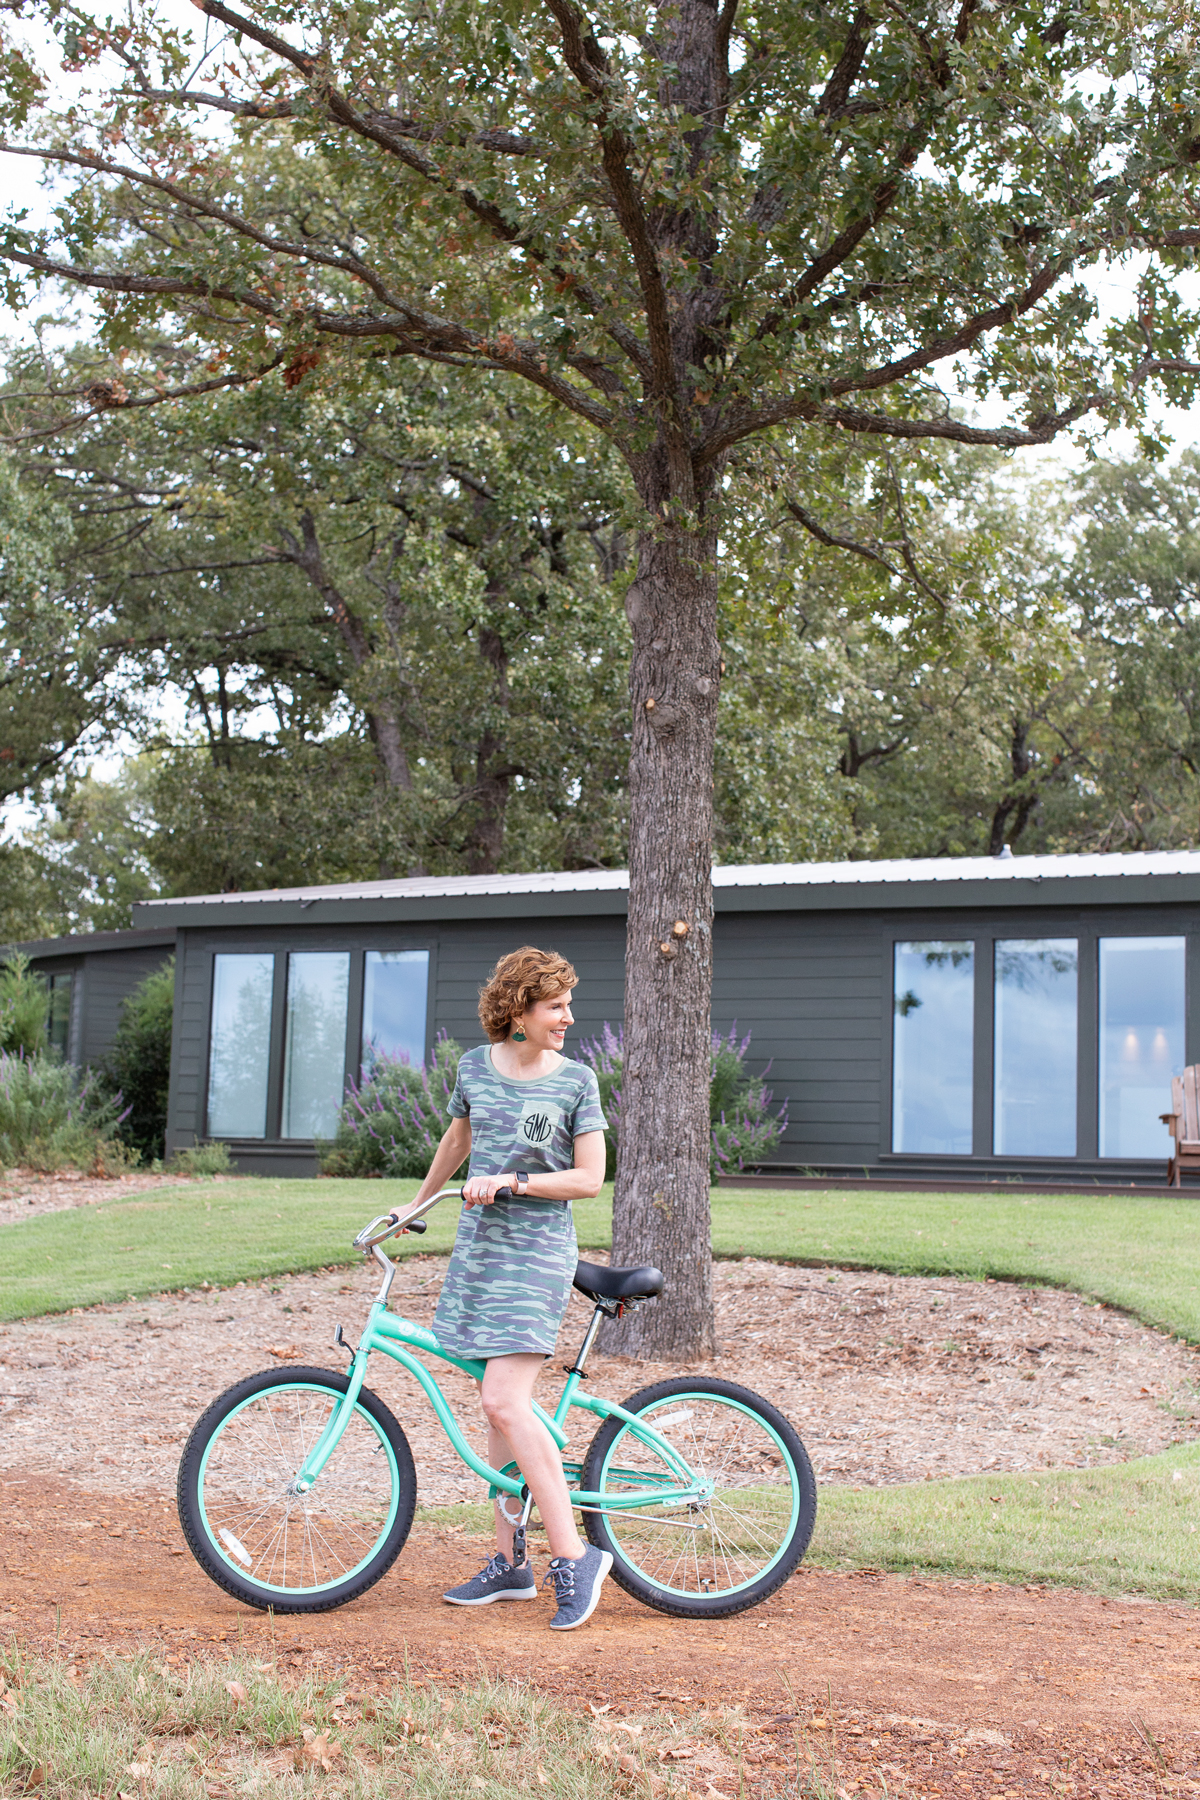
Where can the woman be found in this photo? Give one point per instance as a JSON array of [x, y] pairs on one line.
[[530, 1119]]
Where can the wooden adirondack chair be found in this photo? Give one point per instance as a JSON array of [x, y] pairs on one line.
[[1183, 1122]]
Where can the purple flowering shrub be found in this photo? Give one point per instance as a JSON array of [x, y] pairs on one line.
[[744, 1129], [393, 1119]]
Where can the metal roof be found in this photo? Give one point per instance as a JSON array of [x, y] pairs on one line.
[[1068, 877]]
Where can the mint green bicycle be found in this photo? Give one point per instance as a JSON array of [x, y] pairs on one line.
[[296, 1489]]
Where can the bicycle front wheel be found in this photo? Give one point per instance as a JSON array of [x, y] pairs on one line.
[[263, 1542], [712, 1558]]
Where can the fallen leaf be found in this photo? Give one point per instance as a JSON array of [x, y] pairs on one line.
[[284, 1352], [139, 1771], [321, 1752], [236, 1689], [543, 1778], [35, 1777], [598, 1711]]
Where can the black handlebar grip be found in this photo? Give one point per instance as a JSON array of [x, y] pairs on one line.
[[504, 1193], [417, 1224]]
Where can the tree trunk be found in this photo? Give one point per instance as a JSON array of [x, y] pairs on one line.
[[493, 774], [661, 1212], [383, 720]]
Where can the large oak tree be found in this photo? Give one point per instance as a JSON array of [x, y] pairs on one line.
[[688, 225]]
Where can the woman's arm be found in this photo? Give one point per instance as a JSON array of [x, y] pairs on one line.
[[583, 1182], [454, 1149]]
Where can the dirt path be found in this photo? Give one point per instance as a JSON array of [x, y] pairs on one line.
[[936, 1687]]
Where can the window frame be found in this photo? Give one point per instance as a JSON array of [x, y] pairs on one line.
[[1087, 928], [280, 946]]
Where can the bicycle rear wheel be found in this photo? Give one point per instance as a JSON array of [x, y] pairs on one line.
[[729, 1552], [261, 1541]]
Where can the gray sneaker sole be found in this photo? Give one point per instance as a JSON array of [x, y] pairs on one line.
[[593, 1603], [523, 1593]]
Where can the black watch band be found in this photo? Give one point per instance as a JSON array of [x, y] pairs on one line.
[[522, 1177]]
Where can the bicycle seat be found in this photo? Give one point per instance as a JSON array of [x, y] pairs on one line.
[[599, 1282]]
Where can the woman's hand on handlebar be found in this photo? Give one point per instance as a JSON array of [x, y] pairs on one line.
[[481, 1190]]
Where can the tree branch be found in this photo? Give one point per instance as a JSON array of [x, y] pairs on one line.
[[833, 542], [589, 65]]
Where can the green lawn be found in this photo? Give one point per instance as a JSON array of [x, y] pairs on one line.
[[1139, 1253], [1133, 1528], [215, 1231]]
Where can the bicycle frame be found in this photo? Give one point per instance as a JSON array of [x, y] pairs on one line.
[[398, 1338]]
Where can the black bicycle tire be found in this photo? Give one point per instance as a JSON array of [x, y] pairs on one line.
[[217, 1568], [702, 1606]]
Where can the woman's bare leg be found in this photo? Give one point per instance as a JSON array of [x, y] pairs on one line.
[[516, 1434]]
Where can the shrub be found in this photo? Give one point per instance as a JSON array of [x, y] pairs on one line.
[[394, 1118], [24, 1007], [744, 1130], [606, 1055], [52, 1117], [202, 1159], [138, 1065]]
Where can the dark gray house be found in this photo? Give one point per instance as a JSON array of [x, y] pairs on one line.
[[89, 976], [970, 1018]]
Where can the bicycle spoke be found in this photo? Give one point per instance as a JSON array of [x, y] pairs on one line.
[[297, 1541], [746, 1519]]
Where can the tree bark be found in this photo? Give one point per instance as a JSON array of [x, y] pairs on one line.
[[493, 773], [661, 1211]]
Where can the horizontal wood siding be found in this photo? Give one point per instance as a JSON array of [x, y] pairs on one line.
[[468, 953], [189, 1043], [806, 987], [108, 978]]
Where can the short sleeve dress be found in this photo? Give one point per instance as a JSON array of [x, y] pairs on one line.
[[510, 1273]]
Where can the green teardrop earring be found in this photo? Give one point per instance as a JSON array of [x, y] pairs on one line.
[[518, 1037]]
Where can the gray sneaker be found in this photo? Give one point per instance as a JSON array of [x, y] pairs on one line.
[[498, 1581], [577, 1582]]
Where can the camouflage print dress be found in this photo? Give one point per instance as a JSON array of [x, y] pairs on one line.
[[509, 1279]]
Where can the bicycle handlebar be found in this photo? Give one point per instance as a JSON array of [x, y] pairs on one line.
[[370, 1235]]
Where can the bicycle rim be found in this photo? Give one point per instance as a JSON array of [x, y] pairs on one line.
[[284, 1543], [734, 1540]]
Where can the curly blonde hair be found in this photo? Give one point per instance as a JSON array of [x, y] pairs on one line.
[[518, 979]]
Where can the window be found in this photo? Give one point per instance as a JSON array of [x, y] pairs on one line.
[[240, 1045], [1141, 1040], [395, 984], [58, 1013], [932, 1048], [1036, 1035], [314, 1054]]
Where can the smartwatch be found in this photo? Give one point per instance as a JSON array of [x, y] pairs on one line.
[[522, 1181]]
